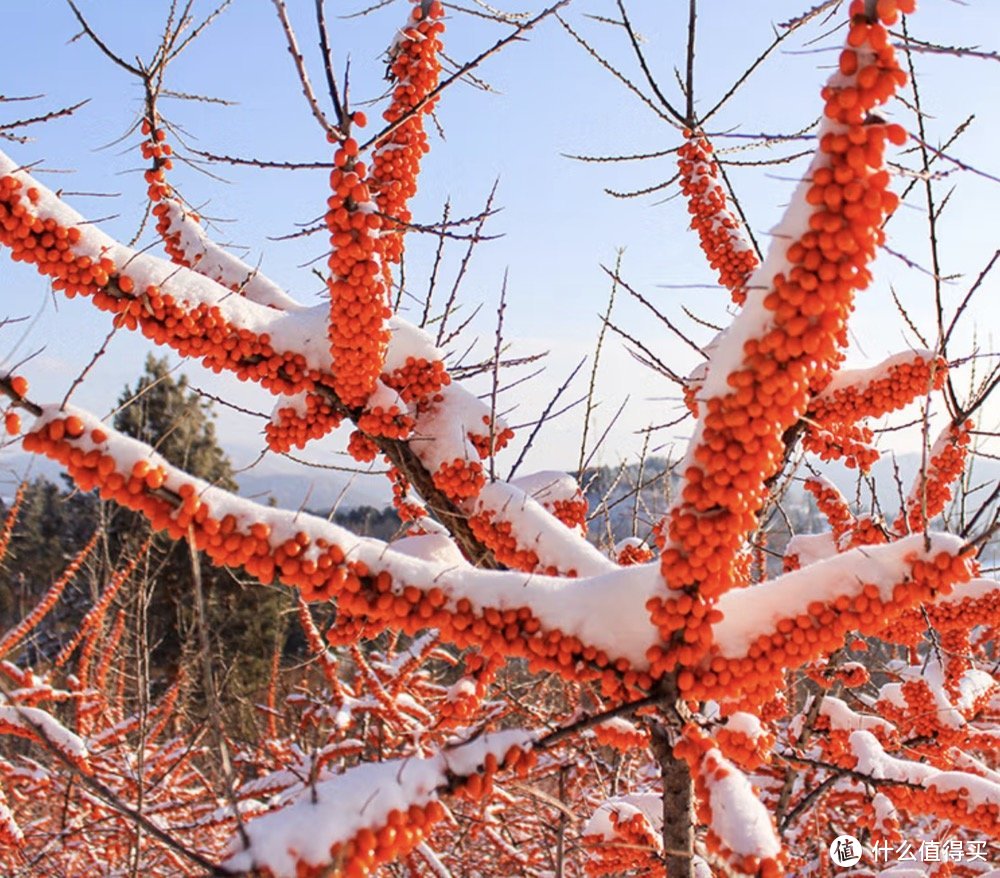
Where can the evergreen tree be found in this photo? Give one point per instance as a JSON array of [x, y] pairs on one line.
[[243, 622]]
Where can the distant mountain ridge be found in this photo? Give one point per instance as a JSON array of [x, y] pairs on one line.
[[326, 490]]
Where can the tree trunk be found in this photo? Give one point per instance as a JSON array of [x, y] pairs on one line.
[[678, 790]]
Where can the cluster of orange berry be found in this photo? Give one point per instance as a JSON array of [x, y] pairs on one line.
[[633, 551], [370, 848], [572, 512], [319, 573], [414, 66], [485, 444], [460, 479], [389, 422], [740, 444], [867, 531], [947, 463], [820, 630], [896, 388], [512, 632], [688, 613], [851, 675], [708, 766], [748, 751], [826, 674], [621, 735], [634, 849], [18, 386], [962, 614], [46, 243], [719, 229], [418, 381], [361, 447], [156, 149], [499, 538], [848, 442], [403, 830], [292, 428], [956, 646], [159, 191], [358, 301], [832, 505], [466, 696], [405, 508], [479, 785], [15, 507]]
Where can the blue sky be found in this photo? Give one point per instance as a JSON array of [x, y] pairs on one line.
[[557, 225]]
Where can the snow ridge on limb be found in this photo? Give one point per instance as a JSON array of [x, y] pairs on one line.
[[375, 812], [37, 725], [594, 628], [184, 237], [853, 394], [625, 834], [285, 352], [536, 541], [833, 430], [807, 613], [782, 346], [963, 798], [741, 831]]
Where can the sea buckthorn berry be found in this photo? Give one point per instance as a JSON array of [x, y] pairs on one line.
[[740, 444], [418, 381], [720, 231], [414, 68], [460, 479], [19, 384]]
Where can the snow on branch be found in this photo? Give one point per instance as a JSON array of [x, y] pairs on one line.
[[375, 812], [961, 797], [595, 627], [37, 725], [801, 615], [189, 245], [877, 390], [782, 347], [741, 831], [285, 351]]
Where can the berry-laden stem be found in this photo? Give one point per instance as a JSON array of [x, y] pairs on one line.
[[783, 346]]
